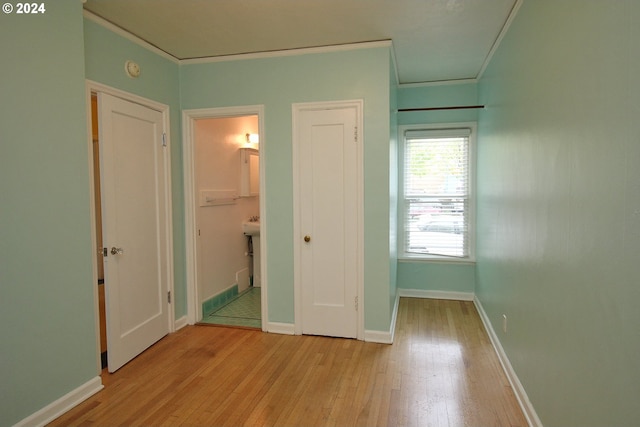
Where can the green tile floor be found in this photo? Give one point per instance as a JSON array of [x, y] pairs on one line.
[[243, 310]]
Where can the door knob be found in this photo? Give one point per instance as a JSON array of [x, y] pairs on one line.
[[116, 251], [307, 238]]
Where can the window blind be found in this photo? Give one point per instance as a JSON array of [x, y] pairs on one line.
[[437, 192]]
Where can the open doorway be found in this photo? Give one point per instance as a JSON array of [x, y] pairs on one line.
[[223, 206], [226, 164], [98, 229]]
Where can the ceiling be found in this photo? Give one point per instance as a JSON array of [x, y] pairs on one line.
[[433, 40]]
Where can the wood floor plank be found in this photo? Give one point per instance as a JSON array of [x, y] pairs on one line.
[[440, 371]]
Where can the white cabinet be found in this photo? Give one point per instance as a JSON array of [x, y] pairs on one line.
[[249, 172]]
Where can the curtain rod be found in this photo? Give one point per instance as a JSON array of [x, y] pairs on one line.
[[462, 107]]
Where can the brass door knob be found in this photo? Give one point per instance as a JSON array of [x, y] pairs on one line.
[[307, 238]]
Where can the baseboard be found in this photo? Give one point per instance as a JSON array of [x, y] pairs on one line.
[[181, 322], [281, 328], [528, 409], [384, 337], [420, 293], [62, 405]]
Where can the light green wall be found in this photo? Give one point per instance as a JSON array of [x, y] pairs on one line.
[[393, 182], [433, 96], [49, 344], [47, 325], [105, 56], [558, 207], [276, 83], [436, 276]]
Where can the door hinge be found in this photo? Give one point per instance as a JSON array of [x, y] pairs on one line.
[[164, 139], [356, 303], [169, 297], [355, 134]]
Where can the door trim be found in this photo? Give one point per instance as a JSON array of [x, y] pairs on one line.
[[194, 308], [297, 110], [95, 87]]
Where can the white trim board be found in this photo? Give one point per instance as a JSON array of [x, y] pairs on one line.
[[383, 337], [525, 404], [181, 322], [62, 405], [290, 52], [450, 295], [498, 41], [280, 328]]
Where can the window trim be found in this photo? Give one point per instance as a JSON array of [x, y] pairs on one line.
[[402, 254]]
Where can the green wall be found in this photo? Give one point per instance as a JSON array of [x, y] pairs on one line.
[[558, 207], [276, 83], [47, 324], [434, 96], [105, 55], [49, 343], [393, 182], [434, 275]]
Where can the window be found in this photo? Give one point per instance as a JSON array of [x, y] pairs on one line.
[[436, 185]]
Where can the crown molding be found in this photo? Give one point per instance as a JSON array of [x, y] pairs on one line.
[[395, 64], [438, 83], [309, 50], [494, 48], [290, 52], [127, 35], [503, 32], [236, 57]]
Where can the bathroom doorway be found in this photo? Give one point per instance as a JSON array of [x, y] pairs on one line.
[[223, 206]]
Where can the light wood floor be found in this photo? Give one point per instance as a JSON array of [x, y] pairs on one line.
[[440, 371]]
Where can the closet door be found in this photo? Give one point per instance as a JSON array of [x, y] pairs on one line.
[[329, 220]]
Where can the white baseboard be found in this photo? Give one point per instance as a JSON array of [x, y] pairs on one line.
[[181, 323], [420, 293], [380, 337], [62, 405], [528, 409], [281, 328], [384, 337]]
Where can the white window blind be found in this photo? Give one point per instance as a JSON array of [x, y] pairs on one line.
[[437, 192]]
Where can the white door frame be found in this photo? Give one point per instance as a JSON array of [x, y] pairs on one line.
[[194, 308], [297, 109], [95, 87]]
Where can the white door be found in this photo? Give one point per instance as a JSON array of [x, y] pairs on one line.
[[329, 220], [134, 180]]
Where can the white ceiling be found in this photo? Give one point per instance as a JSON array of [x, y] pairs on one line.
[[433, 40]]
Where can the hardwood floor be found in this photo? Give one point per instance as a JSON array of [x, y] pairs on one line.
[[440, 371]]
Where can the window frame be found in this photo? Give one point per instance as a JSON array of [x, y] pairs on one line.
[[402, 206]]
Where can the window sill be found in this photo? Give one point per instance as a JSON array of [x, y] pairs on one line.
[[435, 259]]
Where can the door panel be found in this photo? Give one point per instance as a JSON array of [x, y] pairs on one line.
[[135, 227], [329, 218]]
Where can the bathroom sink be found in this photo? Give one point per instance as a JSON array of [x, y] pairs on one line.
[[251, 228]]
